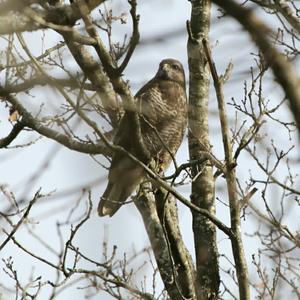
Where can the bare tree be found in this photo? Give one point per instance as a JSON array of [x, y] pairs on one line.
[[241, 166]]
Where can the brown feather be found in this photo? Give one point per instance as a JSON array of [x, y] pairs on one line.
[[162, 107]]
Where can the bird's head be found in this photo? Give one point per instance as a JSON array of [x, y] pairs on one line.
[[171, 69]]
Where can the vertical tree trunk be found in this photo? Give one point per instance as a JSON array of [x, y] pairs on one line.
[[203, 187]]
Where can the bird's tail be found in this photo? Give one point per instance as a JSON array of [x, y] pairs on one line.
[[118, 190], [110, 200]]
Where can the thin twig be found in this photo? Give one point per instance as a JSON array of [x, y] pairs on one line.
[[23, 218]]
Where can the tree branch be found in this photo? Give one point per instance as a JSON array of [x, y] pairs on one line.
[[31, 122], [134, 38], [119, 85], [25, 215], [62, 15], [183, 268], [95, 74], [44, 80], [236, 239], [4, 142], [7, 6], [146, 206], [282, 68]]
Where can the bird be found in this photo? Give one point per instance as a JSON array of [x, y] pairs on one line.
[[162, 112]]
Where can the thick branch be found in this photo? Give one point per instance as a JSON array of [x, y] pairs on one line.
[[159, 243], [183, 268]]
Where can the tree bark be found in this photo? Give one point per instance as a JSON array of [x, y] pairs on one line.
[[183, 267], [203, 188], [172, 258]]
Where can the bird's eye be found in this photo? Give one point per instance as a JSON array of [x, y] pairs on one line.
[[175, 67]]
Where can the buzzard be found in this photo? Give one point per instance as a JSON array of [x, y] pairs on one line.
[[162, 110]]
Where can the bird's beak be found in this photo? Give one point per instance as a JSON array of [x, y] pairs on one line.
[[163, 71]]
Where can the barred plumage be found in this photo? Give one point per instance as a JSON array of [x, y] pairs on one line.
[[163, 117]]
